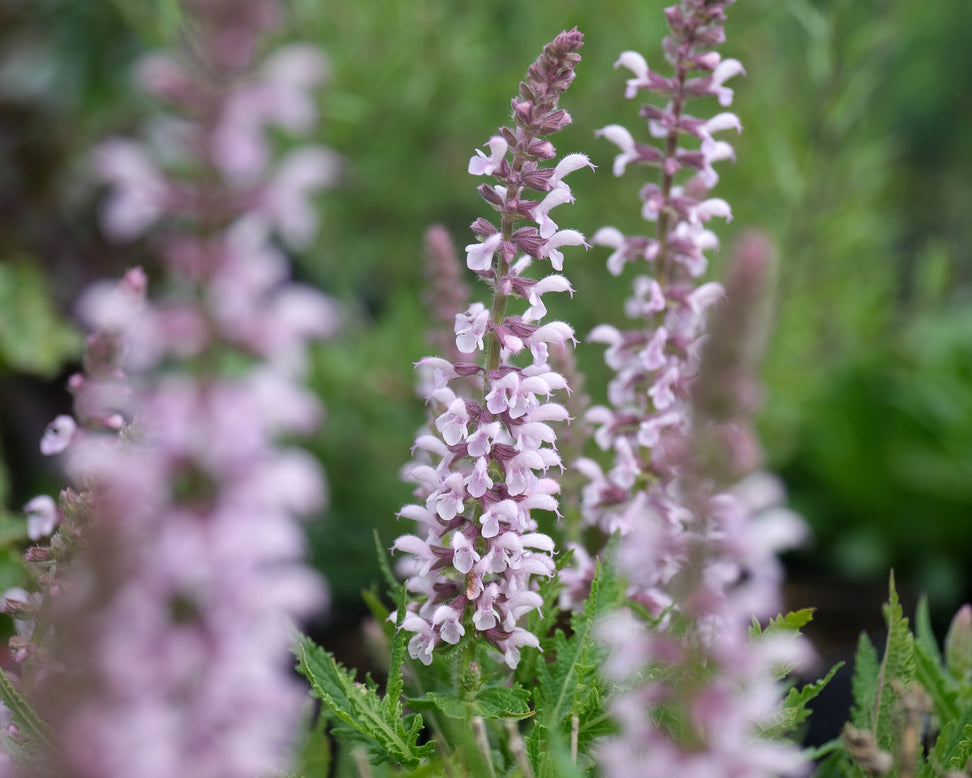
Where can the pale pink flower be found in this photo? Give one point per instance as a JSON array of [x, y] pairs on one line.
[[58, 435]]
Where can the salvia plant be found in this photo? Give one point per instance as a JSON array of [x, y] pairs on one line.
[[157, 634]]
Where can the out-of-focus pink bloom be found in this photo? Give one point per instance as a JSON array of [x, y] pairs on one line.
[[191, 562], [58, 435]]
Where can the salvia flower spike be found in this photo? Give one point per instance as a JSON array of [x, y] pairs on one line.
[[171, 623], [693, 551], [483, 465]]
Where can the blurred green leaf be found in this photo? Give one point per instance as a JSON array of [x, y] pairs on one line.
[[34, 338]]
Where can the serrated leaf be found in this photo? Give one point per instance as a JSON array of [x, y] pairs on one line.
[[932, 678], [500, 702], [784, 623], [954, 746], [395, 685], [924, 636], [568, 686], [31, 726], [794, 710], [378, 611], [395, 588], [314, 755], [864, 684], [494, 702], [898, 664], [835, 764], [377, 723], [537, 624]]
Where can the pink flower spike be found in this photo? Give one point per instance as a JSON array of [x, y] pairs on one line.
[[464, 553], [442, 370], [553, 332], [479, 444], [417, 547], [613, 238], [505, 511], [286, 201], [58, 435], [298, 66], [485, 616], [481, 165], [479, 482]]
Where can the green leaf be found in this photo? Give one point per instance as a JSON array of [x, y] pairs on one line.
[[34, 338], [794, 708], [31, 726], [395, 685], [864, 684], [789, 623], [932, 678], [549, 591], [924, 636], [898, 664], [395, 588], [314, 756], [158, 23], [494, 702], [367, 718], [568, 686], [379, 611], [953, 748], [13, 529]]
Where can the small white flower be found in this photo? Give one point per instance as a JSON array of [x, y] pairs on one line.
[[58, 435], [42, 517]]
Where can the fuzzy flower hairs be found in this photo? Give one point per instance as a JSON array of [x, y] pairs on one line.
[[483, 465]]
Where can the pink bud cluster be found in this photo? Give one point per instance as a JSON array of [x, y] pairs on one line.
[[170, 635], [481, 468]]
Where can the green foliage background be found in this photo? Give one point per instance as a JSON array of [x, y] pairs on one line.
[[854, 158]]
